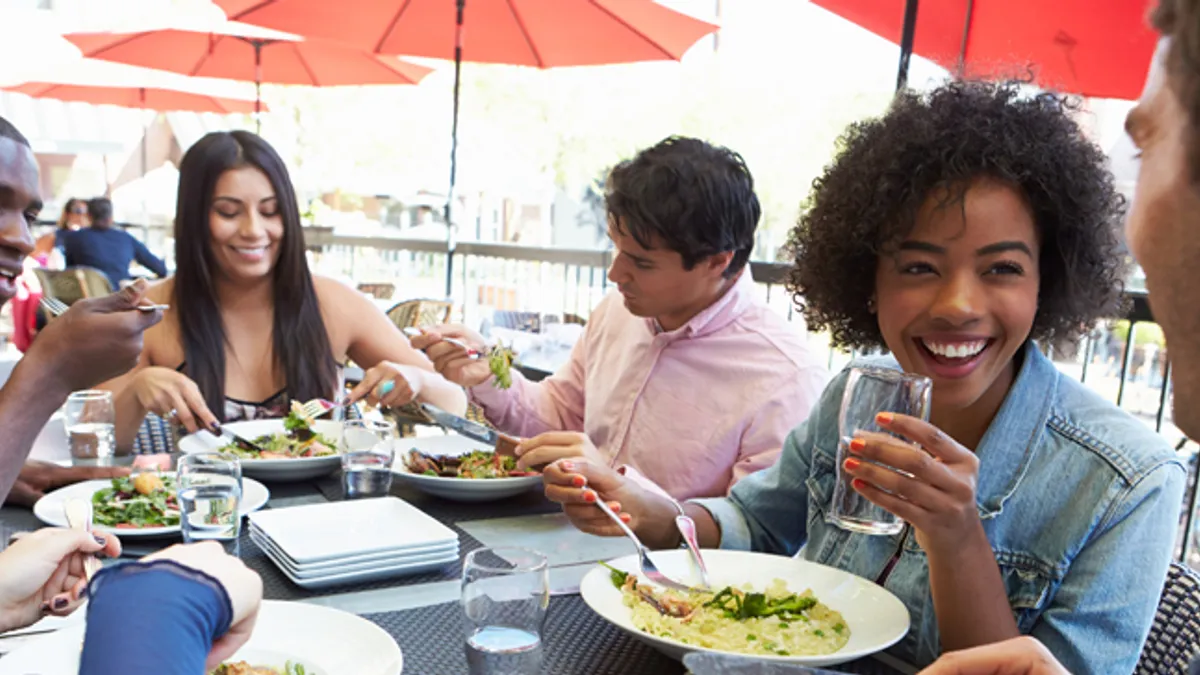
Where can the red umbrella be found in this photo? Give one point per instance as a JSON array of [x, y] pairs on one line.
[[244, 55], [1085, 47], [542, 33]]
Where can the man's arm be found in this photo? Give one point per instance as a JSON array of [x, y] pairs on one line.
[[147, 259], [527, 409], [28, 399]]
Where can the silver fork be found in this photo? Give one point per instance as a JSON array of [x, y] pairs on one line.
[[319, 406], [644, 562], [57, 307]]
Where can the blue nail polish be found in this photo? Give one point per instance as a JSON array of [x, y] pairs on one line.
[[216, 428], [60, 603], [386, 388], [99, 539]]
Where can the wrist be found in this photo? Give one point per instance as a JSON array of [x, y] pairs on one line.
[[965, 543], [42, 378], [659, 527]]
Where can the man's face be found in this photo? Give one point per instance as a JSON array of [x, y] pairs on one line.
[[1163, 231], [20, 203]]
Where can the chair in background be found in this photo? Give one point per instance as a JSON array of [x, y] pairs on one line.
[[413, 313], [73, 284], [1174, 638], [381, 291]]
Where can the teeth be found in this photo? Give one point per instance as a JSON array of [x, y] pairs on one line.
[[955, 350], [250, 251]]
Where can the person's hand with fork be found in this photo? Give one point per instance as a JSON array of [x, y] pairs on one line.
[[43, 573], [454, 351]]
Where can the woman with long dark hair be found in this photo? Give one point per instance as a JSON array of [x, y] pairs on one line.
[[249, 327]]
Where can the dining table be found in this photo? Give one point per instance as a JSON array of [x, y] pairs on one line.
[[422, 612]]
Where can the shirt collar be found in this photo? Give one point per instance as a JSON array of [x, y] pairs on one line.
[[735, 301]]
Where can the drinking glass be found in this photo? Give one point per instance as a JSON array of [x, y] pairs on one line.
[[210, 493], [368, 449], [870, 391], [505, 592], [88, 419]]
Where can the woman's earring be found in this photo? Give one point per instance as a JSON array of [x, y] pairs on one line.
[[871, 305]]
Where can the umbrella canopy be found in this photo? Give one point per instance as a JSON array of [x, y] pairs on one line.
[[542, 33], [1100, 49], [232, 56], [149, 98]]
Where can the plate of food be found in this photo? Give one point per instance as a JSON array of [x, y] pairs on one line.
[[142, 505], [290, 638], [294, 448], [769, 607], [460, 469]]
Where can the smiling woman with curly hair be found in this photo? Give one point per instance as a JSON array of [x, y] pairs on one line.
[[953, 231]]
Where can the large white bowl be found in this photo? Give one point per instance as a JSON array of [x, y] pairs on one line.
[[49, 509], [457, 489], [876, 618], [300, 468], [326, 641]]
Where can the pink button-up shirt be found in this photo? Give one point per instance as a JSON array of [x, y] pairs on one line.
[[693, 410]]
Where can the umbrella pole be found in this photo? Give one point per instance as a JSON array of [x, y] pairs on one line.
[[258, 45], [450, 243], [906, 43]]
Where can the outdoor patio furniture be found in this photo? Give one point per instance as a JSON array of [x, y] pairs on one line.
[[1174, 638], [382, 291], [421, 312], [73, 284]]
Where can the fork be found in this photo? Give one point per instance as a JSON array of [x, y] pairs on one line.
[[79, 517], [319, 406], [57, 307], [471, 353], [644, 562]]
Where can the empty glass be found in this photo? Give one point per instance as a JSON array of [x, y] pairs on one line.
[[210, 494], [505, 592], [870, 391], [368, 450], [88, 419]]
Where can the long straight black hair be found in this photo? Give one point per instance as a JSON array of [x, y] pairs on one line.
[[300, 342]]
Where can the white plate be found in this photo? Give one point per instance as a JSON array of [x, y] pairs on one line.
[[49, 509], [327, 641], [326, 569], [877, 619], [300, 468], [333, 565], [320, 532], [457, 489], [400, 568]]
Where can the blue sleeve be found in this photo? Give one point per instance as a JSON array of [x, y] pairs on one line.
[[147, 259], [1101, 613], [762, 511], [157, 618]]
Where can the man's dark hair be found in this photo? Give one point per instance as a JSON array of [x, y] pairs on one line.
[[100, 210], [937, 144], [1180, 21], [696, 197], [7, 130]]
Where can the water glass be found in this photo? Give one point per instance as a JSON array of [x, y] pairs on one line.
[[210, 493], [368, 450], [88, 419], [505, 592], [870, 391]]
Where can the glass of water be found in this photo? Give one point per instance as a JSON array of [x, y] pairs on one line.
[[88, 419], [210, 492], [368, 449], [870, 391], [505, 592]]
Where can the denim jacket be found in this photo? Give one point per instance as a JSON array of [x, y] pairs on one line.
[[1079, 500]]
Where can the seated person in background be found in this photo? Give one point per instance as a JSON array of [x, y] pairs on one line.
[[683, 374], [47, 252], [107, 248], [954, 231], [94, 341], [250, 328]]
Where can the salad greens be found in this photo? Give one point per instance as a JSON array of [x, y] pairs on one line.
[[146, 500], [500, 361], [298, 440]]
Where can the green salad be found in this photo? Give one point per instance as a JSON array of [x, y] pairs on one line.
[[145, 500], [298, 440]]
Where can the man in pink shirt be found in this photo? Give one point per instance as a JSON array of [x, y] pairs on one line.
[[683, 377]]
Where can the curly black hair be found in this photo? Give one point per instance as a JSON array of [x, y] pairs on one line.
[[938, 143], [696, 197]]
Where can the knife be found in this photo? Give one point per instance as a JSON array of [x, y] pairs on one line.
[[503, 444]]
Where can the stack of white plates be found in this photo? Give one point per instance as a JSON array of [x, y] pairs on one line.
[[323, 545]]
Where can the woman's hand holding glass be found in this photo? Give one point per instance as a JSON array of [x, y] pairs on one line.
[[933, 487], [42, 572], [167, 393]]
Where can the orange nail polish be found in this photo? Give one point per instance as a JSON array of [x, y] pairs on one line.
[[858, 445], [885, 418], [578, 481], [858, 483], [851, 464], [589, 497]]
